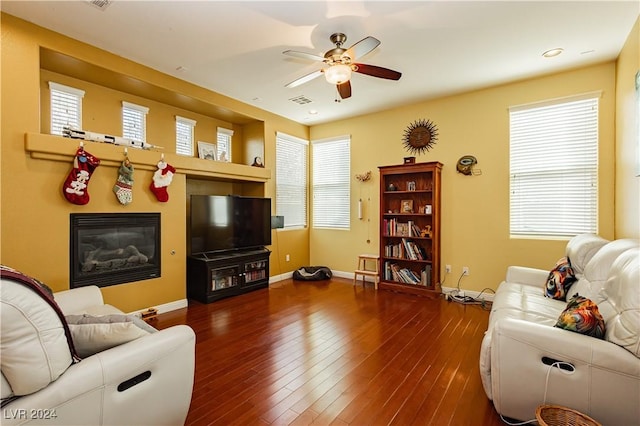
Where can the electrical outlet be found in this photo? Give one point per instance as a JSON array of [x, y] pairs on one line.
[[465, 270], [287, 258], [447, 269]]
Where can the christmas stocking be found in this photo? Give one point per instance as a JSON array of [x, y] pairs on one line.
[[75, 186], [122, 188], [161, 179]]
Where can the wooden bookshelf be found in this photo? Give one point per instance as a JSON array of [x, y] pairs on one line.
[[410, 228]]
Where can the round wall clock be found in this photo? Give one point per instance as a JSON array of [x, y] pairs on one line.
[[420, 136]]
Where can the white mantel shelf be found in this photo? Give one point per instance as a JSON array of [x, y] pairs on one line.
[[58, 148]]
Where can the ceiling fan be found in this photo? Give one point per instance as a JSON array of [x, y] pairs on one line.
[[341, 64]]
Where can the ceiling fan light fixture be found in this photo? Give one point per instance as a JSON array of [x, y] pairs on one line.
[[338, 74]]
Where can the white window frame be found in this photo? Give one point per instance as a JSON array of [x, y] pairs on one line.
[[554, 167], [65, 107], [134, 121], [331, 183], [185, 129], [292, 159], [224, 138]]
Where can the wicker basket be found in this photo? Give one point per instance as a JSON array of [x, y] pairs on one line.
[[555, 415]]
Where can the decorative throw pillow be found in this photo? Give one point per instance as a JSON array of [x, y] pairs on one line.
[[93, 334], [559, 280], [582, 316]]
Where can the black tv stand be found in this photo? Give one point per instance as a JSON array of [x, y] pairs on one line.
[[215, 275]]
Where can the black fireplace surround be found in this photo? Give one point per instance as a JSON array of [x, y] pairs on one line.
[[113, 248]]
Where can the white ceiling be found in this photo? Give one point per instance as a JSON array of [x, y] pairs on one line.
[[441, 47]]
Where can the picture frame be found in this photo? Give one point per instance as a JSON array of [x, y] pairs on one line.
[[406, 206], [207, 151], [411, 186]]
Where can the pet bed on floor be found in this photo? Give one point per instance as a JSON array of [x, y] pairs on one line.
[[312, 273]]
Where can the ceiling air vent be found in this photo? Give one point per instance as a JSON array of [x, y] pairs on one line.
[[302, 100], [100, 4]]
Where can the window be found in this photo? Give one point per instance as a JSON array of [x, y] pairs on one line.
[[291, 180], [224, 144], [331, 183], [134, 121], [554, 167], [66, 107], [184, 136]]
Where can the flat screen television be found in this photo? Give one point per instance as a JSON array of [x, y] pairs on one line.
[[229, 222]]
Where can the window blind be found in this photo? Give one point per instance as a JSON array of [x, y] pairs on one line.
[[66, 107], [134, 121], [224, 144], [331, 183], [554, 168], [184, 136], [291, 180]]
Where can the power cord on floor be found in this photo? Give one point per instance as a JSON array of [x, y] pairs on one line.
[[565, 368], [456, 295]]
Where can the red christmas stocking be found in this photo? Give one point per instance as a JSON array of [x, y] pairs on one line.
[[75, 187], [161, 180]]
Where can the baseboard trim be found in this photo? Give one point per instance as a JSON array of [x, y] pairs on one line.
[[475, 294], [337, 274], [349, 275], [281, 277], [165, 307]]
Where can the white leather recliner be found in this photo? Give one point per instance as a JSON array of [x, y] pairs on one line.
[[145, 381], [525, 361]]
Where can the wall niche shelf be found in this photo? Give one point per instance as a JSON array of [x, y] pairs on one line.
[[58, 148], [133, 79], [187, 96]]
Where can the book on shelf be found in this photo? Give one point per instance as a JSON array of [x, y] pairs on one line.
[[402, 229], [393, 228], [426, 276], [406, 249], [394, 250], [393, 272], [413, 250], [414, 230]]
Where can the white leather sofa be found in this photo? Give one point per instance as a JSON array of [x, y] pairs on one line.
[[144, 381], [525, 361]]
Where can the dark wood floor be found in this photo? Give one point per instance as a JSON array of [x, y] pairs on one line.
[[329, 353]]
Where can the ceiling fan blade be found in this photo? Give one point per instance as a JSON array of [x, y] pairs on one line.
[[377, 71], [362, 47], [344, 89], [305, 78], [303, 55]]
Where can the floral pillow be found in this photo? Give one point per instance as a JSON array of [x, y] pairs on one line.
[[559, 280], [582, 316]]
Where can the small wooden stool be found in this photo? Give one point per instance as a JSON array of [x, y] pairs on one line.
[[362, 268]]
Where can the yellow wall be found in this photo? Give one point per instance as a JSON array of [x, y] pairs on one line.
[[34, 224], [102, 109], [627, 143], [34, 227], [475, 209]]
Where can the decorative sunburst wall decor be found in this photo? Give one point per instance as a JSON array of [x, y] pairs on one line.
[[420, 136]]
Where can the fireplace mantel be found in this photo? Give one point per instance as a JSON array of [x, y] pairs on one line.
[[58, 148]]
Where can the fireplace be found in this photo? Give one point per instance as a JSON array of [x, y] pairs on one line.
[[114, 248]]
